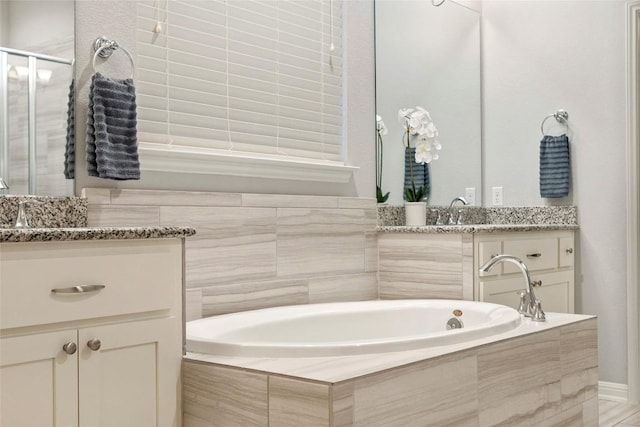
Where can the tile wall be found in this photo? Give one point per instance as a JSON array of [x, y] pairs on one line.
[[548, 378], [255, 251]]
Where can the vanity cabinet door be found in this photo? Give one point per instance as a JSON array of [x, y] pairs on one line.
[[125, 375], [38, 380], [555, 290]]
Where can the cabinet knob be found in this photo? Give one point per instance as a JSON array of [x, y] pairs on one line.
[[70, 348], [569, 251], [94, 344]]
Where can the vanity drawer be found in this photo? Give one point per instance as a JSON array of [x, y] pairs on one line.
[[137, 275], [537, 254]]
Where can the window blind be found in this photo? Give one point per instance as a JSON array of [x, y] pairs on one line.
[[243, 76]]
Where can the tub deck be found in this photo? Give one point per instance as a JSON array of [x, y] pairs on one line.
[[334, 369]]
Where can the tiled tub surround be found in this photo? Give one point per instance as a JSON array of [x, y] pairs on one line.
[[49, 212], [540, 374], [257, 250], [485, 219]]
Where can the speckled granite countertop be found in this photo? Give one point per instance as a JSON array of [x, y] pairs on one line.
[[477, 228], [391, 219], [92, 233]]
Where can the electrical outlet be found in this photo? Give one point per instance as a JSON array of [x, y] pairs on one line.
[[470, 195], [496, 196]]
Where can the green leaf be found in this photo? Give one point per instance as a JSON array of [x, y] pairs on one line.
[[380, 197]]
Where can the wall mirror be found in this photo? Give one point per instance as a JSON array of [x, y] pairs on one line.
[[36, 70], [429, 56]]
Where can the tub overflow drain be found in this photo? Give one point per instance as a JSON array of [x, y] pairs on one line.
[[454, 323]]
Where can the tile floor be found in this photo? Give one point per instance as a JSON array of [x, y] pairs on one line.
[[618, 414]]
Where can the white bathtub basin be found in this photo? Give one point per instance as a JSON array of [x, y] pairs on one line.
[[346, 328]]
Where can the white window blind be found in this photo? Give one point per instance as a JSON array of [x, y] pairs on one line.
[[258, 77]]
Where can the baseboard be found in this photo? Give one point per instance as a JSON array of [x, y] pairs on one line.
[[613, 391]]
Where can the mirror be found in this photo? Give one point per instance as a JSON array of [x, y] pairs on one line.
[[34, 94], [429, 56]]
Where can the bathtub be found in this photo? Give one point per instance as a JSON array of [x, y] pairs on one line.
[[348, 328]]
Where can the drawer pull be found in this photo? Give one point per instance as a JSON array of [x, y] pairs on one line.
[[569, 251], [537, 283], [536, 255], [70, 347], [94, 344], [81, 289]]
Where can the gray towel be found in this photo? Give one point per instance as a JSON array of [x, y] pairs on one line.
[[555, 166], [421, 176], [112, 144], [70, 148]]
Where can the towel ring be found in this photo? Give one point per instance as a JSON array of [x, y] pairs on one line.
[[561, 117], [105, 47]]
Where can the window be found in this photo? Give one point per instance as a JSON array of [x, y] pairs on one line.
[[240, 79]]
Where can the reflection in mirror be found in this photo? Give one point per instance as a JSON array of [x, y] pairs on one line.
[[429, 56], [36, 57]]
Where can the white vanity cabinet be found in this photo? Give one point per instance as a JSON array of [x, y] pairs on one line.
[[549, 256], [105, 348]]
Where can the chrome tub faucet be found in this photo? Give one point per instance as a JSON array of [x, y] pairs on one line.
[[530, 306]]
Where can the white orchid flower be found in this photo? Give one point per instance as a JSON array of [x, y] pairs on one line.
[[430, 130], [380, 126], [423, 153]]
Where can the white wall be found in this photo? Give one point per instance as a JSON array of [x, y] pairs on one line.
[[359, 105], [540, 56]]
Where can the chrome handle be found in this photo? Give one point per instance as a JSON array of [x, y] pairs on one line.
[[535, 255], [569, 251], [537, 283], [81, 289], [94, 344], [70, 348]]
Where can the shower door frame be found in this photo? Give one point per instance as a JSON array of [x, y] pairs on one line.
[[633, 199], [32, 59]]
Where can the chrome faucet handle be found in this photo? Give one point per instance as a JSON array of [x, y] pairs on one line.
[[451, 221], [538, 314], [21, 218], [439, 217], [523, 307], [460, 220]]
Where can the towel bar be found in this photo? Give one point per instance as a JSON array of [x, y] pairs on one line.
[[561, 117], [105, 47]]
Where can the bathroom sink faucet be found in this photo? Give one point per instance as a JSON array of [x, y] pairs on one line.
[[21, 219], [451, 212], [530, 306]]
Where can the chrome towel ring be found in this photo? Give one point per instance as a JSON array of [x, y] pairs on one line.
[[561, 117], [105, 47]]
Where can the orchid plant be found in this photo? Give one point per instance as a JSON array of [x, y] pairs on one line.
[[381, 129], [419, 125]]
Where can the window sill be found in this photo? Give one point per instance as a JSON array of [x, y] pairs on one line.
[[190, 160]]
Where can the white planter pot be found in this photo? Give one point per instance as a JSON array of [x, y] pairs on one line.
[[415, 213]]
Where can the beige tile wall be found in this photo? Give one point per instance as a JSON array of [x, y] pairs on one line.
[[547, 378], [257, 250], [417, 265]]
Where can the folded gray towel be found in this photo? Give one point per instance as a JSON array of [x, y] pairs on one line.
[[70, 148], [555, 166], [112, 144], [421, 176]]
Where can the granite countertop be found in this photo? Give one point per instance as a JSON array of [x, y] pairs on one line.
[[475, 228], [92, 233]]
